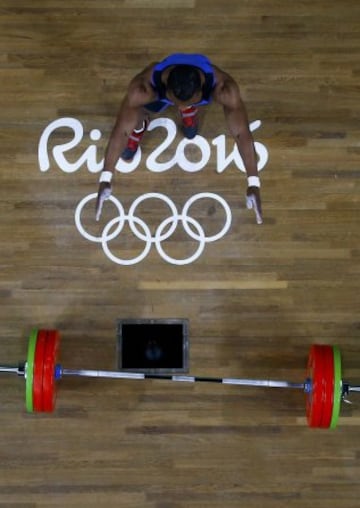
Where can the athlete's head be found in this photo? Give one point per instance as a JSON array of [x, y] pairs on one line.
[[184, 82]]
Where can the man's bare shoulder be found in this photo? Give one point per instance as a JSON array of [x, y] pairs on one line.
[[226, 90], [140, 90]]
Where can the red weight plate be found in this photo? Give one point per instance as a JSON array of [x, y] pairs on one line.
[[38, 371], [314, 400], [327, 386], [50, 360], [320, 400]]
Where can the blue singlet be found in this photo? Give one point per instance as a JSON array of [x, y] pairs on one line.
[[199, 61]]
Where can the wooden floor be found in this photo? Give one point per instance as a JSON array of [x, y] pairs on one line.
[[256, 299]]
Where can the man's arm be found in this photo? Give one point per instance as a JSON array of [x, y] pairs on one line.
[[129, 117], [227, 94]]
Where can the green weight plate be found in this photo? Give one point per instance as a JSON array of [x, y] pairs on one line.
[[337, 388], [30, 370]]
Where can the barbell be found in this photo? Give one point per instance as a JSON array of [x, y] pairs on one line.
[[323, 387]]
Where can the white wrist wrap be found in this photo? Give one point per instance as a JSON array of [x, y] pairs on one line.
[[253, 181], [105, 176]]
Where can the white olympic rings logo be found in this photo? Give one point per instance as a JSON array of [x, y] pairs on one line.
[[164, 231]]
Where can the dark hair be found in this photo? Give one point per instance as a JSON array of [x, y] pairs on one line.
[[184, 81]]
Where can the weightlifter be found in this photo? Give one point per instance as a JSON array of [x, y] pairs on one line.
[[186, 81]]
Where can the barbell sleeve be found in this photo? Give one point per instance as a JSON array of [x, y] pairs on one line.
[[12, 369], [351, 388]]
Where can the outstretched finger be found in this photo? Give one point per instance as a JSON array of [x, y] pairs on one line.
[[99, 207], [251, 203], [103, 196]]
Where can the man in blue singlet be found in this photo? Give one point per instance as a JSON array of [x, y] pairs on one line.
[[185, 81]]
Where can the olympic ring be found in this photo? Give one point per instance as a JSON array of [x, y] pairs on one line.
[[79, 225], [216, 197], [153, 195], [163, 232], [197, 253], [119, 261]]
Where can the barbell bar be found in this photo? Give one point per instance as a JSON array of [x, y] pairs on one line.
[[323, 387]]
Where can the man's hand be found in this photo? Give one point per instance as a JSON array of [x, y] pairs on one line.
[[253, 201], [103, 194]]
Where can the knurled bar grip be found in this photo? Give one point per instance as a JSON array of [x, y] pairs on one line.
[[267, 383]]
